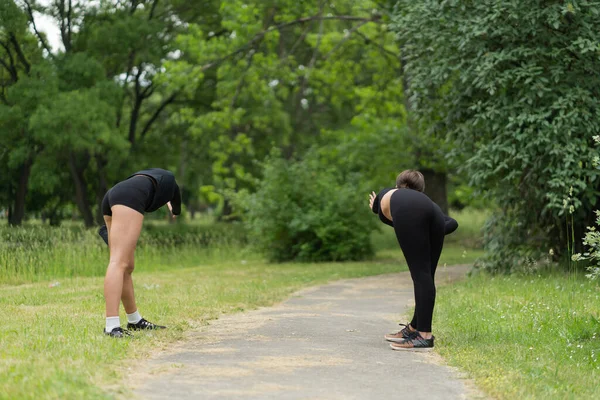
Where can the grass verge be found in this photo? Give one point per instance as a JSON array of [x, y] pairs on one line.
[[527, 336], [51, 344]]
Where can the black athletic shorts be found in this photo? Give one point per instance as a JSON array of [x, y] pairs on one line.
[[136, 192]]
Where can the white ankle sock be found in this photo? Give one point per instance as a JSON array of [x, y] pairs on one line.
[[134, 318], [112, 323]]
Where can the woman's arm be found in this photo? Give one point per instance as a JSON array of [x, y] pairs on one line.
[[450, 225], [175, 203]]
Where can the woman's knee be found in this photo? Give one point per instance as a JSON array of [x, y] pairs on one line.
[[422, 277], [129, 269], [124, 266]]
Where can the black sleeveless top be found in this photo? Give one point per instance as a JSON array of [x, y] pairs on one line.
[[377, 207]]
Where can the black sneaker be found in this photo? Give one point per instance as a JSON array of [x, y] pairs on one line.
[[118, 333], [403, 334], [143, 324], [416, 343], [103, 232]]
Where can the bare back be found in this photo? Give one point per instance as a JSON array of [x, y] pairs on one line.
[[385, 204]]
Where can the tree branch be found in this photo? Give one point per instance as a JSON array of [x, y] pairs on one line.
[[11, 70], [20, 55], [312, 61], [298, 41], [375, 18], [152, 10], [69, 16], [125, 91], [3, 97], [348, 35], [319, 37], [368, 40], [158, 111], [137, 105], [65, 16], [261, 34], [238, 89], [134, 4], [37, 33], [148, 90]]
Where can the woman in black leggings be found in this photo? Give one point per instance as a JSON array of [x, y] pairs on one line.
[[420, 227], [123, 208]]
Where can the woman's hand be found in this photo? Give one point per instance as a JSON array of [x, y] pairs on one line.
[[173, 216], [372, 197]]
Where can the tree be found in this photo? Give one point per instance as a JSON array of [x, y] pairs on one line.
[[25, 81], [513, 85], [285, 73]]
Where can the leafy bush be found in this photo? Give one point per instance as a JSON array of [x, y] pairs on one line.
[[304, 211], [513, 86], [592, 252]]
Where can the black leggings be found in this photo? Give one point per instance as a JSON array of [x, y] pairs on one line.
[[136, 192], [419, 225]]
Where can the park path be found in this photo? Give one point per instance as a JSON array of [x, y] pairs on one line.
[[324, 342]]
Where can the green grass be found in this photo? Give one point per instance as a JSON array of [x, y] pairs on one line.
[[523, 336], [51, 344]]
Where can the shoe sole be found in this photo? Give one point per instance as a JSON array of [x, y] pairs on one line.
[[146, 329], [418, 349], [395, 340]]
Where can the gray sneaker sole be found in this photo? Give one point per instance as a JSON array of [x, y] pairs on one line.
[[418, 349], [395, 340]]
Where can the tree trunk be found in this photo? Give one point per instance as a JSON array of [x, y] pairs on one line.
[[81, 198], [18, 209], [435, 188], [101, 189]]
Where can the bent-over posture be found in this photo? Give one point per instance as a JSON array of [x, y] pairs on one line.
[[123, 208], [420, 227]]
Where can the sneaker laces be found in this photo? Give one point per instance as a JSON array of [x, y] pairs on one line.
[[146, 324]]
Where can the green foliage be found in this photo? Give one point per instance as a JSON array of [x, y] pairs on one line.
[[512, 84], [206, 94], [306, 211], [288, 75], [591, 241]]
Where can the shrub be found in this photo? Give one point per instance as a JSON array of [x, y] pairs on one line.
[[304, 211], [592, 252]]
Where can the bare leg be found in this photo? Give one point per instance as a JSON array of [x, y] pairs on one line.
[[127, 296], [124, 230]]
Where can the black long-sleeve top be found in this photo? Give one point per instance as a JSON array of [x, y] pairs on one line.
[[166, 189], [450, 223]]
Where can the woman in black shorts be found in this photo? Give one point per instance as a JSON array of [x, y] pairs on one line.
[[123, 208], [420, 227]]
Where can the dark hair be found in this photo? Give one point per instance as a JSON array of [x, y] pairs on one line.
[[411, 179]]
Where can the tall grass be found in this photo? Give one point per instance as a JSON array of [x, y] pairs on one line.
[[37, 252]]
